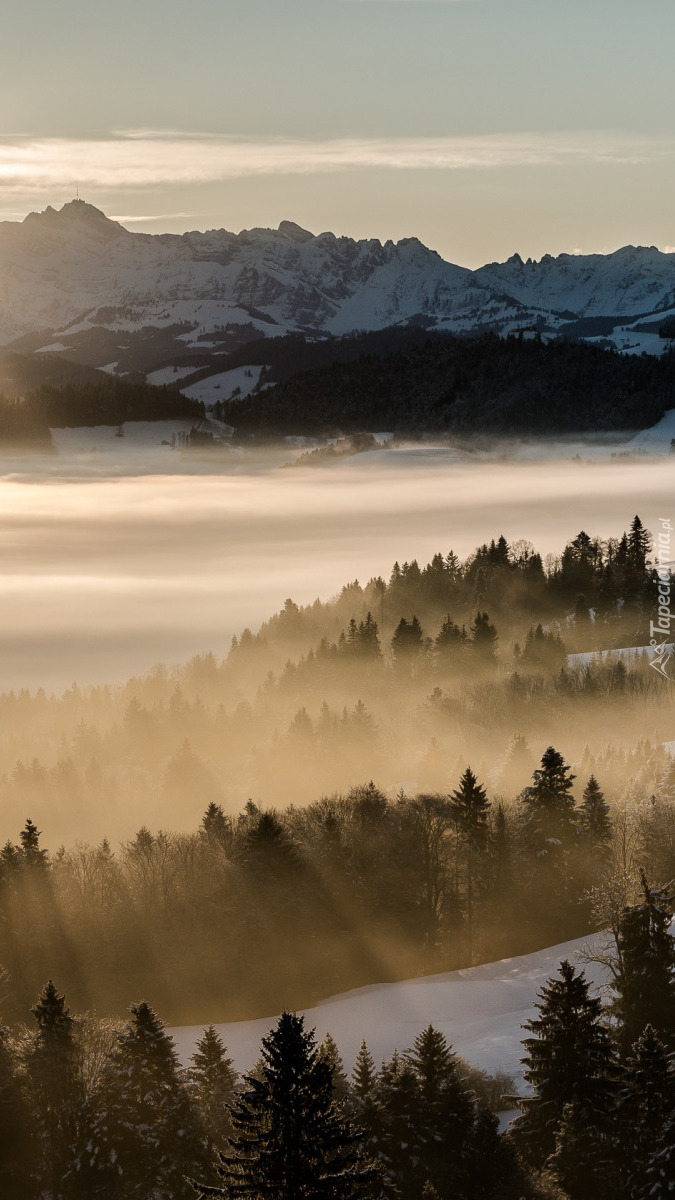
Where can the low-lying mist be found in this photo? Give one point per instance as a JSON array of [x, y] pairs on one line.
[[106, 574]]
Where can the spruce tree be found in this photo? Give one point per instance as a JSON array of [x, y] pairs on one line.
[[584, 1162], [329, 1051], [646, 1104], [212, 1080], [483, 640], [50, 1059], [569, 1061], [16, 1136], [408, 641], [290, 1140], [549, 817], [145, 1138], [364, 1074], [399, 1145], [644, 981], [471, 809], [594, 820]]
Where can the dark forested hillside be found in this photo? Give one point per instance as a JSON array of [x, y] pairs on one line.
[[466, 385], [25, 420]]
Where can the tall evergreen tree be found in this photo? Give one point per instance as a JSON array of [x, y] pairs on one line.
[[50, 1059], [646, 1104], [212, 1080], [569, 1061], [548, 804], [290, 1140], [483, 640], [471, 809], [408, 641], [644, 981], [145, 1137], [16, 1135], [594, 820]]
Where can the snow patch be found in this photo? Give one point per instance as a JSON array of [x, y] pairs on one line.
[[481, 1011]]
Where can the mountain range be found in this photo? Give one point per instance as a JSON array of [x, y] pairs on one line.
[[79, 285]]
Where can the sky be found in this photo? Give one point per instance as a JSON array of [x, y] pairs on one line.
[[483, 127]]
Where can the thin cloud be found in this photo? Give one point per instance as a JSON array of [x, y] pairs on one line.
[[144, 158], [125, 219]]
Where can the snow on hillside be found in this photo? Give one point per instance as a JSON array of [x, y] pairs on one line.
[[657, 439], [222, 386], [480, 1010], [168, 375], [64, 274]]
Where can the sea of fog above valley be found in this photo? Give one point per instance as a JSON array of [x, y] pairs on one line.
[[109, 569]]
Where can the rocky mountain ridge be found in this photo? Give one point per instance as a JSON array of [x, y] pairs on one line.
[[76, 283]]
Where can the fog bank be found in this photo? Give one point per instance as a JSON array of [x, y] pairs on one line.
[[105, 575]]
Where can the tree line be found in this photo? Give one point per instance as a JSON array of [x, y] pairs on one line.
[[273, 909], [26, 420], [94, 1110], [476, 385]]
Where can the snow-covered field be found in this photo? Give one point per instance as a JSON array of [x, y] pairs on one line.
[[626, 654], [140, 440], [222, 385], [480, 1010], [167, 375], [656, 439]]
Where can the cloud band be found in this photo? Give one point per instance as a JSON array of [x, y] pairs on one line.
[[146, 158]]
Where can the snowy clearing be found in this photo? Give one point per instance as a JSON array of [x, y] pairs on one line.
[[656, 439], [480, 1010], [223, 385], [137, 436], [168, 375]]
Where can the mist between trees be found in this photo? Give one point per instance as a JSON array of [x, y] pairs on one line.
[[268, 869]]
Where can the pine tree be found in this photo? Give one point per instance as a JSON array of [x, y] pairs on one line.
[[145, 1137], [471, 809], [646, 1105], [484, 639], [212, 1081], [290, 1140], [29, 837], [569, 1061], [364, 1074], [450, 644], [594, 820], [50, 1059], [399, 1146], [329, 1051], [16, 1135], [369, 642], [216, 827], [644, 981], [549, 806], [583, 1162], [454, 1137], [407, 642]]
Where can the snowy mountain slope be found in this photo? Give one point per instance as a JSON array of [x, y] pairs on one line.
[[636, 280], [78, 280], [480, 1010]]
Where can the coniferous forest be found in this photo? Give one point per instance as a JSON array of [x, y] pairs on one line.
[[448, 767]]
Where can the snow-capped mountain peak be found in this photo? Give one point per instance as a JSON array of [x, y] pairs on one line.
[[68, 273]]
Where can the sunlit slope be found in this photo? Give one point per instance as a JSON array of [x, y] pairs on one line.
[[480, 1010]]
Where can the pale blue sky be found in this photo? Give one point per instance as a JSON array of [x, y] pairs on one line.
[[481, 126]]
